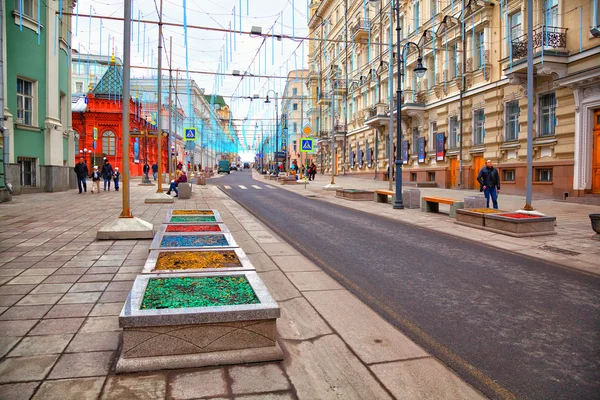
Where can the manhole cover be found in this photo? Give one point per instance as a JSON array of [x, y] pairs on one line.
[[558, 250]]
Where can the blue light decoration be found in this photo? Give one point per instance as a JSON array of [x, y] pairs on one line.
[[240, 18], [281, 18], [21, 14], [139, 23], [143, 46], [76, 18], [39, 27], [293, 23], [234, 30]]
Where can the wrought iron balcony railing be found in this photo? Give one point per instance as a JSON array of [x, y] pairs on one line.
[[544, 37]]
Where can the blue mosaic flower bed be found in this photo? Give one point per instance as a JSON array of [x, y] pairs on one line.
[[194, 241]]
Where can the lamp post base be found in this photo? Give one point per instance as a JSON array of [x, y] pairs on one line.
[[331, 187], [126, 228], [159, 198]]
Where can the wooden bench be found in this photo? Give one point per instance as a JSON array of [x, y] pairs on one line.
[[381, 196], [432, 204]]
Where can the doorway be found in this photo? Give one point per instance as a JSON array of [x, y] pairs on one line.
[[596, 154], [453, 172], [477, 165]]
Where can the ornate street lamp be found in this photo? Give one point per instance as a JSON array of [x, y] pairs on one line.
[[83, 153]]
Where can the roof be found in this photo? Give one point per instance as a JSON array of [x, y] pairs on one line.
[[111, 83], [78, 104], [218, 99]]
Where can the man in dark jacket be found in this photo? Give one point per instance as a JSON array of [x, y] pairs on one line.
[[107, 173], [489, 179], [81, 170], [146, 169], [155, 170]]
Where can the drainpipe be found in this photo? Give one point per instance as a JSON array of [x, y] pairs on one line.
[[3, 129]]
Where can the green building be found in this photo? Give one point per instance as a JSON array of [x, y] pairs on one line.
[[37, 95]]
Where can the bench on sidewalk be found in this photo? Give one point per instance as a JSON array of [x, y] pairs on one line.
[[432, 204], [381, 196], [185, 190]]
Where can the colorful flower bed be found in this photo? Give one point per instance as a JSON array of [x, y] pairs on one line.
[[193, 228], [198, 292], [483, 210], [193, 212], [518, 215], [194, 241], [181, 260], [193, 218]]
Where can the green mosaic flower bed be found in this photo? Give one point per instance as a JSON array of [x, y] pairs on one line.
[[198, 292], [193, 218]]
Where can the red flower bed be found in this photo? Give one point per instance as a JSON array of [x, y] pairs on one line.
[[518, 216], [193, 228]]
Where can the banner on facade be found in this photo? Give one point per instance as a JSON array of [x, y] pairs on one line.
[[439, 146], [421, 149], [405, 152]]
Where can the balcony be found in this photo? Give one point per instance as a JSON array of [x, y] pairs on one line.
[[551, 40], [360, 31], [323, 99], [377, 116]]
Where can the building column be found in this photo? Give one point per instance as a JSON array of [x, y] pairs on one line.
[[53, 129], [9, 123], [586, 101]]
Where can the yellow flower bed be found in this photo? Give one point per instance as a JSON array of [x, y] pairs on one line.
[[484, 210], [196, 260], [192, 212]]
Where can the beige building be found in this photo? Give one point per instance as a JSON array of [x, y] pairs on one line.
[[352, 56], [294, 111]]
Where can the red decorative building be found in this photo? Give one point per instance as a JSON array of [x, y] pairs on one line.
[[97, 120]]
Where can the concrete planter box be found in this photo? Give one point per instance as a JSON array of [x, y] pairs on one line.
[[516, 227], [171, 229], [193, 219], [151, 262], [595, 220], [472, 218], [155, 339], [157, 242], [355, 194]]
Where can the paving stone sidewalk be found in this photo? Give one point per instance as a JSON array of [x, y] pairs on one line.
[[61, 291], [572, 246]]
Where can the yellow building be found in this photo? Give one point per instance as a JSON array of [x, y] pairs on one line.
[[486, 66], [294, 110]]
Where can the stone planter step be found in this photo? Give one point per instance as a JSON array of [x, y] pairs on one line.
[[193, 241], [191, 228], [194, 337], [240, 258], [194, 219], [355, 194]]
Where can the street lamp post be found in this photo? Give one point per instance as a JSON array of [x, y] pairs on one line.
[[276, 122], [84, 154]]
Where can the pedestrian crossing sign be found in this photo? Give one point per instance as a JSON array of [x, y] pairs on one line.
[[190, 134], [307, 145]]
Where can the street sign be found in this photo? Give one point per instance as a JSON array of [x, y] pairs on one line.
[[307, 145], [190, 134], [307, 130], [95, 133]]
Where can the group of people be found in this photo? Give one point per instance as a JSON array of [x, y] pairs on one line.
[[107, 174]]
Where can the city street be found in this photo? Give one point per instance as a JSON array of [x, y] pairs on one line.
[[506, 323]]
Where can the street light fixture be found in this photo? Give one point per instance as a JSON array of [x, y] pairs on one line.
[[419, 70]]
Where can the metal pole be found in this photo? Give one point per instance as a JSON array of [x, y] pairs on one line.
[[461, 89], [399, 204], [346, 96], [159, 103], [172, 161], [333, 82], [170, 140], [126, 212], [276, 130], [391, 92], [528, 194]]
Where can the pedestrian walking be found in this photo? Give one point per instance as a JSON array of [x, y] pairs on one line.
[[489, 179], [155, 170], [146, 169], [81, 170], [107, 174], [96, 176], [117, 177]]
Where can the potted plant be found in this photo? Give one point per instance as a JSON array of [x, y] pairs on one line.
[[595, 219]]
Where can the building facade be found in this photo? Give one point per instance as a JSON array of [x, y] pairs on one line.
[[37, 106], [294, 109], [471, 104]]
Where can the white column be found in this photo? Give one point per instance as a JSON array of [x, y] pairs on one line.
[[9, 118], [53, 140]]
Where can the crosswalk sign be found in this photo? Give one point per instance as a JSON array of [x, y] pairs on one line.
[[307, 145], [190, 134]]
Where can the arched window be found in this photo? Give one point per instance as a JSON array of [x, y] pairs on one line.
[[108, 143], [76, 140]]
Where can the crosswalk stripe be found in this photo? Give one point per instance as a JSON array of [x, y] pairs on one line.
[[243, 187], [271, 187], [227, 187], [256, 187]]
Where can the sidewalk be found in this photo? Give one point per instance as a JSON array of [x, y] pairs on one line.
[[61, 291], [571, 246]]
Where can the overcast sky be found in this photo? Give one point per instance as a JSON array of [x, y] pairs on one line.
[[206, 49]]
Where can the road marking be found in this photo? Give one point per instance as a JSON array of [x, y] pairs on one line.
[[227, 187], [243, 187], [256, 187], [271, 187]]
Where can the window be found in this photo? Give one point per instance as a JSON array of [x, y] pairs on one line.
[[76, 137], [548, 114], [79, 87], [453, 67], [508, 175], [595, 13], [551, 13], [416, 6], [454, 135], [295, 146], [413, 176], [433, 8], [63, 108], [24, 102], [543, 174], [512, 120], [294, 91], [478, 127], [415, 139], [29, 8], [516, 26], [108, 143], [295, 106], [479, 50], [432, 132], [430, 176], [295, 127], [28, 168]]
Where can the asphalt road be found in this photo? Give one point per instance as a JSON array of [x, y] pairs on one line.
[[512, 326]]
